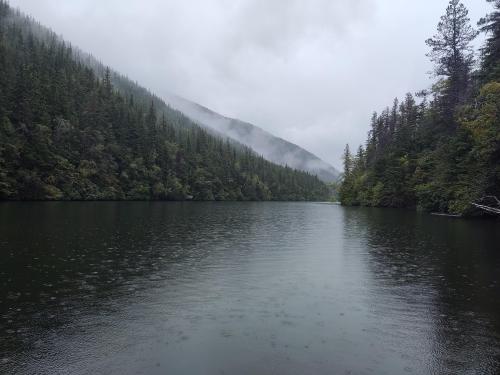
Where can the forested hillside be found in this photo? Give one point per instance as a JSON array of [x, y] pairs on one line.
[[68, 133], [273, 148], [439, 152]]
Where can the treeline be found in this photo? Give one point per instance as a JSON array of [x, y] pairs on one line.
[[66, 133], [438, 152]]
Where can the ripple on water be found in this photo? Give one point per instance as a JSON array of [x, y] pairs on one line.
[[234, 287]]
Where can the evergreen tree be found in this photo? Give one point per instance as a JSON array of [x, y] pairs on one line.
[[490, 55], [453, 55], [347, 160]]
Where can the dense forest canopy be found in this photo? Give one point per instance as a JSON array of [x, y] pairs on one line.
[[72, 130], [439, 152]]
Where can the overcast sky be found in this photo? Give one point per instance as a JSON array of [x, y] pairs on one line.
[[309, 71]]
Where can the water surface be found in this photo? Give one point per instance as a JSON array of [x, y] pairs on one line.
[[245, 288]]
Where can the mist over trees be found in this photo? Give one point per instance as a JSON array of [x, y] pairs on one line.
[[438, 152], [70, 133]]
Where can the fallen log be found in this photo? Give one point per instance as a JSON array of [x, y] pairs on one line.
[[492, 210], [445, 215], [486, 208]]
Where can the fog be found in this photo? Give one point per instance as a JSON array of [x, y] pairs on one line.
[[272, 148], [311, 72]]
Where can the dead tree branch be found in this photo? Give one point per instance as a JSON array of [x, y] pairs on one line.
[[487, 208]]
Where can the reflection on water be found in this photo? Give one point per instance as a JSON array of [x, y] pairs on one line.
[[247, 288]]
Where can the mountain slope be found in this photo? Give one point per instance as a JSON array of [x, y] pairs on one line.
[[272, 148], [67, 133]]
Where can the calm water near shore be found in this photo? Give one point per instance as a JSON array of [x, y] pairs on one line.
[[245, 288]]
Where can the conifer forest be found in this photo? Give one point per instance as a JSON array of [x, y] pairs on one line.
[[438, 150]]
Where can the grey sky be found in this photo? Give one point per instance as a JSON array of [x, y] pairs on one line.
[[310, 71]]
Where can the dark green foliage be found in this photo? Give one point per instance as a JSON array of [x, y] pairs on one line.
[[491, 51], [67, 133], [444, 154]]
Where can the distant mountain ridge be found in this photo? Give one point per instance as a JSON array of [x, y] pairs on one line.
[[272, 148]]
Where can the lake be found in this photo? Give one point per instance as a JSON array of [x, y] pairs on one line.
[[245, 288]]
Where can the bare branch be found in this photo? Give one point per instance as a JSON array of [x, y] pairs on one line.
[[492, 197], [493, 210]]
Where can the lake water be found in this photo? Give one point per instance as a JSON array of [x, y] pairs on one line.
[[245, 288]]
